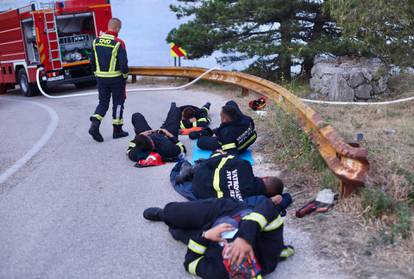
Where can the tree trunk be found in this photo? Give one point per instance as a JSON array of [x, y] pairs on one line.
[[285, 59], [316, 33]]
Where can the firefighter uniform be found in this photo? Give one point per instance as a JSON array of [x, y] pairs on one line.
[[169, 148], [261, 226], [226, 176], [110, 65], [201, 114], [233, 137]]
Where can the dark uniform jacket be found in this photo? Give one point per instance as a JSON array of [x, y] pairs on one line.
[[237, 135], [226, 176], [168, 148], [109, 57], [200, 114], [262, 228]]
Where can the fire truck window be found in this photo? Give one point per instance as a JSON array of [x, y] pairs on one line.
[[30, 41], [4, 71], [10, 70]]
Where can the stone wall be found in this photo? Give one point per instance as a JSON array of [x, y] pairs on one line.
[[349, 79]]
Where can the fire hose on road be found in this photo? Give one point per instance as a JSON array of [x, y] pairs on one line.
[[95, 92]]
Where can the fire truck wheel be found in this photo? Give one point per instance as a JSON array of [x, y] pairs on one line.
[[85, 84], [26, 87]]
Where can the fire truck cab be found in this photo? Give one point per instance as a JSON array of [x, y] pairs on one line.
[[56, 36]]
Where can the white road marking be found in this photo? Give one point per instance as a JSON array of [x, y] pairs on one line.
[[54, 120]]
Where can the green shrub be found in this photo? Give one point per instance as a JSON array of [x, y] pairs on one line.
[[402, 226], [377, 202]]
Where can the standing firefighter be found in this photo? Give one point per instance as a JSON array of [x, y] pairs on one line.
[[110, 64]]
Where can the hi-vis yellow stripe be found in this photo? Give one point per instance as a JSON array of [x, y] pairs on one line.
[[216, 179]]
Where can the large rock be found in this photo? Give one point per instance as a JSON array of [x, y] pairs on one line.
[[340, 90], [349, 79]]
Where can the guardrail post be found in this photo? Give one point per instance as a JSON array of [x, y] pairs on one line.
[[134, 79], [245, 92]]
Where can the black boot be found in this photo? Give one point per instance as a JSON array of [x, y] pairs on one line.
[[118, 132], [154, 214], [94, 130], [207, 105]]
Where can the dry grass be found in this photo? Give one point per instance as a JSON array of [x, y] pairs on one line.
[[386, 208]]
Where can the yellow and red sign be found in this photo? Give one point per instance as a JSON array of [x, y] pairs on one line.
[[177, 51]]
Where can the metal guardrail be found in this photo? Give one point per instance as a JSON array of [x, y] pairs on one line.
[[347, 161]]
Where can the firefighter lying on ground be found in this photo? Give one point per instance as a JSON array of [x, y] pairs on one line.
[[223, 176], [110, 65], [163, 141], [235, 133], [192, 116], [253, 251]]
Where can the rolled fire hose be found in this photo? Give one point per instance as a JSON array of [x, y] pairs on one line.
[[200, 77], [128, 90]]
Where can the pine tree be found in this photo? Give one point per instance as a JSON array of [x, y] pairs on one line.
[[380, 28], [272, 35]]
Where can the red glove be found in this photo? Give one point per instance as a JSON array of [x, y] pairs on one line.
[[153, 159]]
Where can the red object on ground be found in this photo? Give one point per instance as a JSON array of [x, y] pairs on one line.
[[258, 104], [307, 209], [153, 159], [185, 132]]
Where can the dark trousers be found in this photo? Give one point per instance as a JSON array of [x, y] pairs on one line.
[[187, 219], [171, 122], [108, 87], [208, 143]]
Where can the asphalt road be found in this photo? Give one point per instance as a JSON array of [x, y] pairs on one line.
[[75, 209]]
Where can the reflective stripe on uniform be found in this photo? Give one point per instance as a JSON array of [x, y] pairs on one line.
[[118, 121], [182, 125], [258, 277], [108, 74], [181, 146], [202, 120], [98, 67], [131, 144], [275, 224], [216, 179], [112, 64], [98, 116], [192, 267], [207, 110], [196, 247], [244, 145], [256, 217], [228, 146], [107, 36], [287, 252]]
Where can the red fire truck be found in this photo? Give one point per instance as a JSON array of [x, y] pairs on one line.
[[57, 36]]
